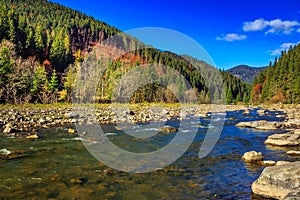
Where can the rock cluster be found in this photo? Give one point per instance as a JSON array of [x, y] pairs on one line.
[[291, 138], [17, 121]]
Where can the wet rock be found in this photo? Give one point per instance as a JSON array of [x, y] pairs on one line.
[[261, 124], [168, 129], [261, 112], [278, 181], [246, 112], [33, 136], [291, 138], [281, 162], [252, 156], [71, 130], [293, 123], [5, 152], [8, 155], [293, 153], [268, 163], [293, 195]]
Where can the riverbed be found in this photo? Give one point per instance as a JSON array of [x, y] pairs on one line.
[[58, 166]]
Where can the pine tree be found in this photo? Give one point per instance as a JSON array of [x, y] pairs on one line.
[[5, 65], [53, 84]]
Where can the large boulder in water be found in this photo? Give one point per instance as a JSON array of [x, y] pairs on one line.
[[278, 181], [291, 138], [261, 124]]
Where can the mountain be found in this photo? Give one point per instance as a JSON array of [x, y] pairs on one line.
[[44, 46], [280, 82], [246, 73]]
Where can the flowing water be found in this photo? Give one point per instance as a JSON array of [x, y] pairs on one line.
[[57, 166]]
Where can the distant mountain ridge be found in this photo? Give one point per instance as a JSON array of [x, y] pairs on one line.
[[245, 72]]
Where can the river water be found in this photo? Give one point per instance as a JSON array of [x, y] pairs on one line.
[[58, 166]]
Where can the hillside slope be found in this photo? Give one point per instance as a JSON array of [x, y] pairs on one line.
[[245, 72], [46, 43]]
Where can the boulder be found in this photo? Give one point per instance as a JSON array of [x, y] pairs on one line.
[[278, 181], [291, 138], [293, 153], [252, 156], [168, 129], [261, 124]]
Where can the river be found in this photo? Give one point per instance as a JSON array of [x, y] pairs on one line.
[[58, 166]]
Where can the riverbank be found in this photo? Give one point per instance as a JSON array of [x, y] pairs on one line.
[[26, 120]]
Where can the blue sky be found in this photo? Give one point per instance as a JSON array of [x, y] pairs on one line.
[[233, 32]]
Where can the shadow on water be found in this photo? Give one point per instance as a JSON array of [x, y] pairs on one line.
[[57, 166]]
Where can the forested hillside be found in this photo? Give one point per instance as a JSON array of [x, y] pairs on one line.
[[43, 45], [245, 72], [280, 82]]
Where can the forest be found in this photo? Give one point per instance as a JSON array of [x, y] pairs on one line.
[[44, 46], [280, 82]]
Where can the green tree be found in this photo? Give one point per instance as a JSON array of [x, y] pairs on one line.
[[5, 65], [53, 84]]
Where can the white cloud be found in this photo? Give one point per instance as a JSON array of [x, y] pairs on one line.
[[232, 37], [274, 26], [257, 25], [284, 46]]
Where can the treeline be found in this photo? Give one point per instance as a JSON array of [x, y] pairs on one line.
[[280, 82], [43, 46]]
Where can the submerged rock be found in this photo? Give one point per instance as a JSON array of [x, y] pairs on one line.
[[169, 129], [291, 138], [252, 156], [79, 181], [278, 181]]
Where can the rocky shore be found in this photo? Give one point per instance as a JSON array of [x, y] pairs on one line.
[[281, 179], [26, 121]]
